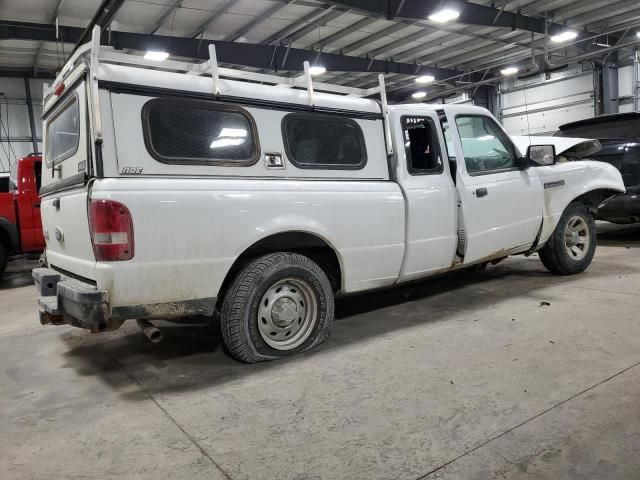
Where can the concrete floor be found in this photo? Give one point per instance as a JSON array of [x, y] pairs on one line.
[[466, 376]]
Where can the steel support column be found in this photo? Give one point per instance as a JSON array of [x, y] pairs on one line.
[[609, 88], [32, 122]]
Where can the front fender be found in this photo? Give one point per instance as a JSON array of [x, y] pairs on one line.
[[564, 182]]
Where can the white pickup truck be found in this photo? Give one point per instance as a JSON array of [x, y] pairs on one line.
[[185, 189]]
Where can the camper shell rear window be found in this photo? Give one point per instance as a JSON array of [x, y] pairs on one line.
[[323, 141], [185, 131], [63, 131]]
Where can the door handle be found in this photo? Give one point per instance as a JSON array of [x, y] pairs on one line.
[[481, 192]]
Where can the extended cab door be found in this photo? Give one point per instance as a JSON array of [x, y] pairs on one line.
[[501, 206], [422, 170]]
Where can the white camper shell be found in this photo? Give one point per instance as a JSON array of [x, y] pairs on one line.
[[174, 189]]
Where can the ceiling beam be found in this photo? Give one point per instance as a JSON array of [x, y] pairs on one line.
[[52, 19], [325, 18], [295, 24], [470, 13], [211, 19], [369, 39], [164, 17], [343, 32], [247, 54], [261, 17], [102, 18]]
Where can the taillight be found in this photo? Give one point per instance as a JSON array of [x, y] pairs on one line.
[[111, 231]]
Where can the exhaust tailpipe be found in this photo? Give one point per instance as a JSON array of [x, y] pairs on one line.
[[153, 333]]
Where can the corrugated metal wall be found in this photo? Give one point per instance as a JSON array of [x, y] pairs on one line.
[[15, 119]]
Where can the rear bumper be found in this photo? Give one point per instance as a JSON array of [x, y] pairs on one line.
[[66, 300]]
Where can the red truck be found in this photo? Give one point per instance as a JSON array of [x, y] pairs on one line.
[[20, 224]]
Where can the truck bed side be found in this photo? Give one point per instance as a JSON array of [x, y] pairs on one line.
[[189, 232]]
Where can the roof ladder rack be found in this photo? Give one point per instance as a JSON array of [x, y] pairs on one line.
[[385, 114], [213, 60], [309, 82], [97, 53]]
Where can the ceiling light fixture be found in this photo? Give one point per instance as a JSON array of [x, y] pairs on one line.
[[509, 71], [156, 55], [445, 15], [317, 70], [564, 36], [425, 79], [638, 34], [418, 95]]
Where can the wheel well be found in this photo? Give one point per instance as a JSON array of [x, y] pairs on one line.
[[594, 198], [5, 240], [304, 243]]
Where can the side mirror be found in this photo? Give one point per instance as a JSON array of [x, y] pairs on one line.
[[542, 154], [523, 163]]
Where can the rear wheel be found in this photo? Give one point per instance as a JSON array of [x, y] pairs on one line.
[[571, 247], [278, 305], [3, 259]]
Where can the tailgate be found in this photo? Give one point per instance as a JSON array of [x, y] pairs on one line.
[[65, 185]]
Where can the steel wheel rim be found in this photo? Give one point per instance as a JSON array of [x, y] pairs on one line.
[[287, 314], [577, 238]]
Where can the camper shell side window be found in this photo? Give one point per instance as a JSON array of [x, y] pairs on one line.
[[324, 141], [186, 131]]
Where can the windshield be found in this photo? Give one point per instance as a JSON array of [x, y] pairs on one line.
[[486, 147]]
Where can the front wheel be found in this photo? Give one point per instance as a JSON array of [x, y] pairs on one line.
[[571, 247], [278, 305]]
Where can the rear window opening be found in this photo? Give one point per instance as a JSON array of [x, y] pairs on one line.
[[422, 146], [63, 132]]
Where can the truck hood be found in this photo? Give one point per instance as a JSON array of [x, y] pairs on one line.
[[570, 148]]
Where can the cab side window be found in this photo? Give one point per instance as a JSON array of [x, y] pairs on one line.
[[422, 147], [486, 147]]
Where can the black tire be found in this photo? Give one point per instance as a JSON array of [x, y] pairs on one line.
[[250, 291], [554, 254], [3, 259]]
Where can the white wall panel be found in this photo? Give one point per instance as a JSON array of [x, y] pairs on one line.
[[20, 149], [539, 106], [625, 81], [15, 119], [546, 121], [566, 97], [626, 107]]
